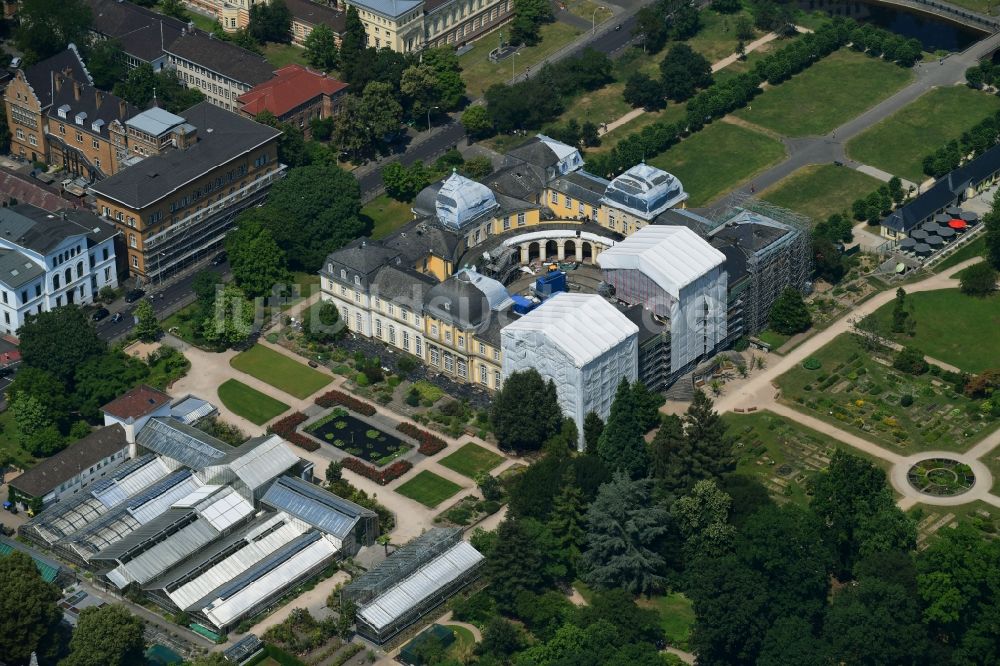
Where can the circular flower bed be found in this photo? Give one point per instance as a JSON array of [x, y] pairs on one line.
[[811, 363], [941, 477]]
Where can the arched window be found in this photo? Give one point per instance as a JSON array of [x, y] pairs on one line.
[[79, 270]]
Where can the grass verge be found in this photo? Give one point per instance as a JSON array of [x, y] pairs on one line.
[[819, 191], [283, 373], [249, 403], [386, 215], [471, 459], [428, 488], [676, 617]]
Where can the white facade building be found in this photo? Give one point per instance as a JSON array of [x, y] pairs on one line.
[[678, 276], [51, 259], [582, 343]]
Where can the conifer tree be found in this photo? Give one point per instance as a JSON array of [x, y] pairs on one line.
[[621, 445], [566, 523], [670, 454], [711, 445]]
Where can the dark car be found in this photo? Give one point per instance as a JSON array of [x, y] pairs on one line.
[[219, 258], [99, 314], [134, 295]]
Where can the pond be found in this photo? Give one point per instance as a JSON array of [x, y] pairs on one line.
[[932, 34], [358, 438]]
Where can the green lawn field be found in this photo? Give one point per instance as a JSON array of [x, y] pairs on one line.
[[952, 327], [715, 160], [971, 250], [820, 191], [471, 459], [826, 95], [899, 143], [717, 37], [676, 616], [386, 215], [249, 403], [283, 373], [428, 488]]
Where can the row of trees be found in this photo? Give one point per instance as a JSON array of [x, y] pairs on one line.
[[829, 261], [682, 72], [970, 145], [879, 202], [666, 20]]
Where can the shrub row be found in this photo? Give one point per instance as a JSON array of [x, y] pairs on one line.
[[971, 145], [331, 398], [429, 443], [285, 428], [379, 476]]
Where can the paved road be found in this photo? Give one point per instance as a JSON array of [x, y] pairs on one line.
[[166, 300], [831, 147]]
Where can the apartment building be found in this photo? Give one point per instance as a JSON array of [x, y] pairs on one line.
[[307, 15], [52, 259], [177, 203], [411, 25], [221, 70], [143, 33]]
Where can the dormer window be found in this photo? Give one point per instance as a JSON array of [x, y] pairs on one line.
[[357, 280], [81, 118], [63, 111], [343, 274]]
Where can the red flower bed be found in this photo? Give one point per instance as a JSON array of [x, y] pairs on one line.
[[379, 476], [429, 443], [331, 398], [285, 428]]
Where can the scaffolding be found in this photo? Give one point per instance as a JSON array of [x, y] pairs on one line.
[[785, 262]]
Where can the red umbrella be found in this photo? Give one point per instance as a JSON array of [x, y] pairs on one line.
[[957, 224]]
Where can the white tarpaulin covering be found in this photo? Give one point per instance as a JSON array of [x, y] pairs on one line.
[[425, 581], [579, 341], [676, 274]]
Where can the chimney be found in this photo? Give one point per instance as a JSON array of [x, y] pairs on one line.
[[121, 109], [77, 89], [98, 98], [58, 79]]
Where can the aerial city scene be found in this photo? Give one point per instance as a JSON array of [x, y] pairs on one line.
[[500, 333]]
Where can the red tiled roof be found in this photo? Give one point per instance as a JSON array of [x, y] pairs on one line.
[[291, 86], [136, 403], [27, 191]]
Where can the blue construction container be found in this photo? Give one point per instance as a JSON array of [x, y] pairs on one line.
[[522, 305], [551, 283]]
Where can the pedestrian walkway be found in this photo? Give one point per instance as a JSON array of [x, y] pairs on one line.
[[884, 176]]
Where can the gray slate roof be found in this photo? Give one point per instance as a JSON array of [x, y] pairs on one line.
[[222, 137], [142, 32], [222, 57], [39, 75], [581, 186], [316, 14], [418, 238], [63, 466], [39, 230], [17, 269], [402, 285], [521, 181]]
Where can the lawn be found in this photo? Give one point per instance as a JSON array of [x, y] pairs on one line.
[[603, 105], [965, 337], [819, 191], [717, 37], [782, 454], [676, 617], [773, 338], [856, 390], [249, 403], [10, 436], [715, 160], [971, 250], [899, 143], [479, 73], [826, 95], [671, 114], [471, 459], [304, 285], [386, 215], [280, 55], [428, 488], [283, 373]]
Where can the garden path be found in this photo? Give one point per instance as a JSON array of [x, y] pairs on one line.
[[447, 619]]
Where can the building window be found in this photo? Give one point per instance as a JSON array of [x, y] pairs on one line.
[[447, 337], [357, 297], [406, 341], [357, 322], [392, 335], [482, 349], [20, 133], [434, 330], [343, 274], [463, 369], [343, 290], [32, 140], [520, 219], [484, 375], [461, 341], [378, 328], [131, 240], [496, 354], [449, 363], [357, 280], [554, 197], [418, 347], [435, 356], [135, 261], [496, 379], [107, 274], [79, 137], [96, 143], [581, 208], [506, 223]]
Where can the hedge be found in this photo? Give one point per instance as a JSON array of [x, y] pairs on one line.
[[286, 428], [429, 443], [379, 476], [331, 398]]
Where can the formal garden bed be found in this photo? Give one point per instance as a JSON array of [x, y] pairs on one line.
[[467, 511], [358, 438], [941, 477], [858, 390]]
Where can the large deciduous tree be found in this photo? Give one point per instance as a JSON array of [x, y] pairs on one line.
[[257, 263], [107, 636], [321, 48], [105, 62], [625, 528], [31, 618], [59, 340], [789, 314], [45, 27], [231, 320], [515, 564], [271, 22], [683, 71], [525, 412], [702, 519], [147, 325]]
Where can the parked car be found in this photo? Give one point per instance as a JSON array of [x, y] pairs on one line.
[[219, 259], [134, 295], [99, 314], [117, 318]]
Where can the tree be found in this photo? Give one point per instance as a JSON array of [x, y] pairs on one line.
[[847, 496], [366, 120], [174, 8], [726, 6], [702, 518], [789, 314], [478, 168], [257, 263], [403, 183], [142, 83], [593, 426], [528, 18], [567, 519], [271, 22], [645, 91], [321, 48], [29, 415], [899, 312], [476, 121], [991, 221], [685, 22], [50, 391], [710, 444], [326, 201], [32, 618], [419, 86], [107, 636], [875, 622], [45, 28], [352, 44], [670, 458], [683, 71], [502, 638], [105, 62], [624, 529], [911, 361], [978, 279], [100, 379], [59, 340], [790, 642], [515, 564], [621, 445], [232, 319], [334, 471], [525, 412], [204, 286], [147, 325], [323, 324]]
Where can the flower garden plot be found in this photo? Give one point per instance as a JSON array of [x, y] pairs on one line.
[[941, 477], [860, 392], [358, 438]]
